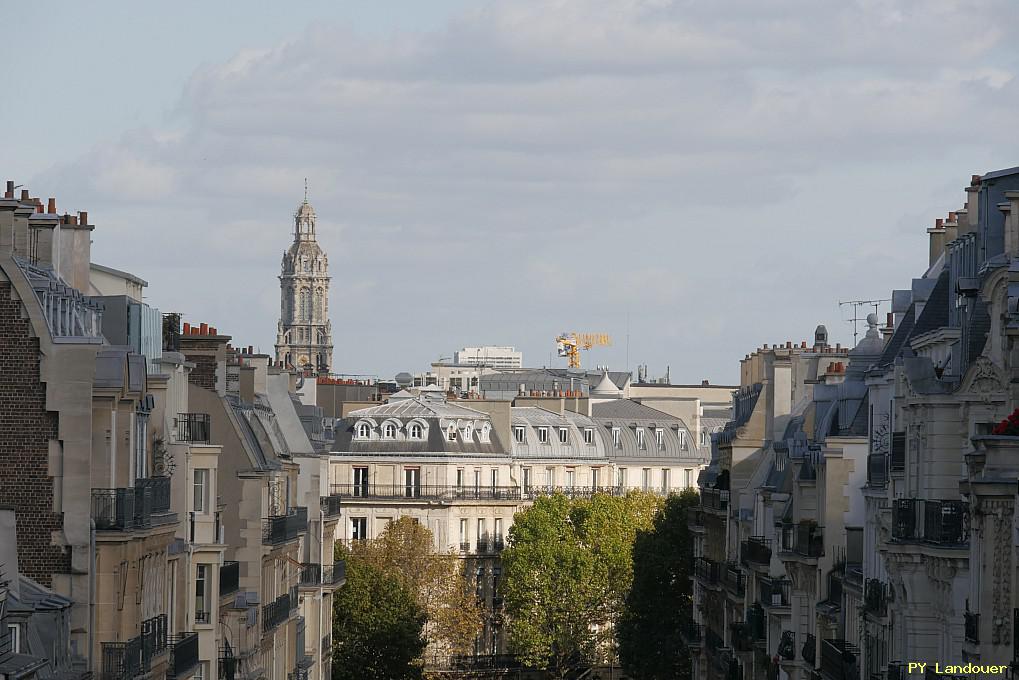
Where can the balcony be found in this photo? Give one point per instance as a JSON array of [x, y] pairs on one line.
[[227, 663], [740, 637], [194, 428], [311, 575], [275, 613], [183, 656], [277, 530], [331, 505], [757, 624], [756, 550], [735, 579], [133, 508], [159, 490], [482, 546], [809, 653], [498, 544], [707, 570], [839, 660], [125, 660], [877, 469], [875, 597], [972, 627], [715, 500], [805, 539], [774, 592], [691, 633], [942, 523], [695, 519], [429, 492], [336, 574], [229, 578], [465, 547]]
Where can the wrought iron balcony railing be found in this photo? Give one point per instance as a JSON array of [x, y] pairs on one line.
[[331, 505], [839, 660], [756, 550], [126, 660], [194, 428], [774, 592], [455, 493], [337, 573], [875, 597], [183, 656], [707, 570], [276, 530], [735, 579], [691, 633], [805, 539], [809, 651], [757, 623], [132, 508], [715, 499], [944, 523], [787, 645], [311, 574], [229, 578], [276, 612]]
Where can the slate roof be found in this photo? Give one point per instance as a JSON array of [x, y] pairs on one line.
[[418, 407], [979, 326], [628, 409]]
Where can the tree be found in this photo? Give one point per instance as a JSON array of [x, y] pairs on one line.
[[660, 598], [378, 627], [567, 571], [405, 551]]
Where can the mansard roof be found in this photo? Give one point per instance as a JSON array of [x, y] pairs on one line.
[[419, 407]]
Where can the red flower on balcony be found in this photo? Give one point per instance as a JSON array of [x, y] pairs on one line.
[[1009, 426]]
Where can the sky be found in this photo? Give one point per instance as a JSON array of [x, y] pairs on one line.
[[694, 178]]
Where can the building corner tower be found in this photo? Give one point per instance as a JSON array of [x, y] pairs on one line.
[[304, 336]]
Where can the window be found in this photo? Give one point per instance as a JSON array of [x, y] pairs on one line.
[[622, 476], [468, 432], [483, 434], [477, 481], [201, 490], [615, 437], [498, 529], [543, 435], [704, 437], [519, 433], [589, 435], [645, 479], [687, 475], [202, 672], [495, 479], [639, 432], [682, 439], [389, 431], [479, 589], [525, 479], [550, 476], [464, 540], [415, 430], [594, 477], [202, 608], [482, 535], [460, 479], [358, 528], [363, 431], [660, 438], [360, 481], [14, 633], [665, 480], [571, 478], [564, 435], [412, 482], [451, 432]]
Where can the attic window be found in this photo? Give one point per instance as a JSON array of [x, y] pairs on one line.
[[483, 434], [543, 435], [389, 431], [640, 437], [589, 435], [468, 432], [519, 433], [564, 435], [451, 433], [415, 430], [363, 431], [660, 437]]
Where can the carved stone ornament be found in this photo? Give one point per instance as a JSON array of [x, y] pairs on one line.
[[999, 513], [985, 380]]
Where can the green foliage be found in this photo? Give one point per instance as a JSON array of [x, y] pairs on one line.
[[660, 598], [567, 570], [377, 627]]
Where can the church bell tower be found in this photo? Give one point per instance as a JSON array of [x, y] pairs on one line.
[[304, 337]]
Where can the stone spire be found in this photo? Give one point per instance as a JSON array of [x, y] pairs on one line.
[[304, 338]]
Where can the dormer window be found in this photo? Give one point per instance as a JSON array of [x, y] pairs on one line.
[[485, 431], [415, 431], [543, 435], [363, 431], [468, 432], [589, 435], [660, 438], [389, 431], [519, 434], [451, 433], [564, 435], [616, 435], [682, 439], [639, 432]]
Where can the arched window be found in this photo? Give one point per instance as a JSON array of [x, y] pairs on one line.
[[415, 431], [363, 431], [305, 304], [389, 431], [319, 303], [468, 432], [451, 432]]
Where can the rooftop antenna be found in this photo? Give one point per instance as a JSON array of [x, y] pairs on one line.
[[856, 318]]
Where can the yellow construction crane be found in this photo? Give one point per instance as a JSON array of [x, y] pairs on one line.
[[570, 344]]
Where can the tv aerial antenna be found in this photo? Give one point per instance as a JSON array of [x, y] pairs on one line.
[[856, 306]]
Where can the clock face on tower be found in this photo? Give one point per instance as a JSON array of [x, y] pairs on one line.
[[303, 360]]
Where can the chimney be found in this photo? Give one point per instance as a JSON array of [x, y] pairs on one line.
[[9, 193], [24, 195], [208, 353], [937, 240], [1011, 210], [51, 206]]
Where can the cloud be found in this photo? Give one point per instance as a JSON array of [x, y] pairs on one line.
[[538, 166]]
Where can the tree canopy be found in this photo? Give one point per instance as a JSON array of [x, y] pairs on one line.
[[660, 598], [378, 627], [567, 570]]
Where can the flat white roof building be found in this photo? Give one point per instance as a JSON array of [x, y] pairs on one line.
[[489, 355]]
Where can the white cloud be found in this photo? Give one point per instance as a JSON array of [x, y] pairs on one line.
[[536, 164]]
